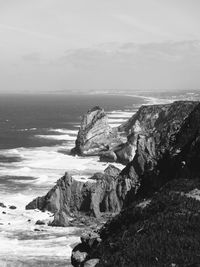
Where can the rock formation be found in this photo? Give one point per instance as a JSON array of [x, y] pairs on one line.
[[110, 191], [167, 154], [69, 197], [147, 120], [95, 134], [155, 146]]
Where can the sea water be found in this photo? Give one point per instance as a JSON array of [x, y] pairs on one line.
[[36, 135]]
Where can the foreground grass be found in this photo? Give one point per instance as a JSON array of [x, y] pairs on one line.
[[164, 233]]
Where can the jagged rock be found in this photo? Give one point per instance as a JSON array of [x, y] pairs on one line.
[[111, 170], [147, 120], [95, 134], [36, 204], [70, 197], [155, 139]]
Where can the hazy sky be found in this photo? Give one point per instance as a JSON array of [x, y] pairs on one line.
[[62, 45]]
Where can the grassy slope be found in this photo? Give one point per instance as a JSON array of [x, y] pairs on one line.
[[164, 233]]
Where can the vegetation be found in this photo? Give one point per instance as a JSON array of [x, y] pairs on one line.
[[164, 233]]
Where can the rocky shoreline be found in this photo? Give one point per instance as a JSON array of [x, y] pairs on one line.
[[161, 153]]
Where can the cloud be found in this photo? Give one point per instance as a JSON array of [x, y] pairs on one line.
[[132, 54]]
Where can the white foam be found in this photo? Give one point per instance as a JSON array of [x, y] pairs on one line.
[[63, 137], [45, 165], [121, 115], [113, 125], [116, 120], [50, 242], [64, 131]]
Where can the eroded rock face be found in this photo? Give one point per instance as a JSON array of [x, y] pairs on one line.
[[149, 120], [95, 134], [66, 198], [152, 165], [70, 197]]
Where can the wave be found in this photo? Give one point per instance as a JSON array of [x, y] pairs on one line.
[[64, 131], [63, 137], [116, 120]]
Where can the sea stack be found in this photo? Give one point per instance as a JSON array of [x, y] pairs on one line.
[[95, 135]]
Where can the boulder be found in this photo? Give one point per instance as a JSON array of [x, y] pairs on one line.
[[79, 257], [12, 207]]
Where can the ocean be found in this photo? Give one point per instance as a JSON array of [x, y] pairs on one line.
[[36, 135]]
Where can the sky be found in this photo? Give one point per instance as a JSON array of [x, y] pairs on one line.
[[100, 45]]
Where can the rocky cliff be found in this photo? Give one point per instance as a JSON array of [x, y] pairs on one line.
[[167, 139], [95, 135], [156, 142], [111, 190], [147, 120], [167, 151]]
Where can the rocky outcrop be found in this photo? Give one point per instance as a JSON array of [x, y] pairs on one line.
[[151, 165], [147, 120], [157, 142], [69, 197], [165, 169], [95, 135]]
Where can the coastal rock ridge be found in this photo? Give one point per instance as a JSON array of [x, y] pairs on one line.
[[95, 135]]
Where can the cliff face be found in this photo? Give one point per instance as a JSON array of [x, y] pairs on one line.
[[149, 120], [95, 134], [167, 155], [155, 142]]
